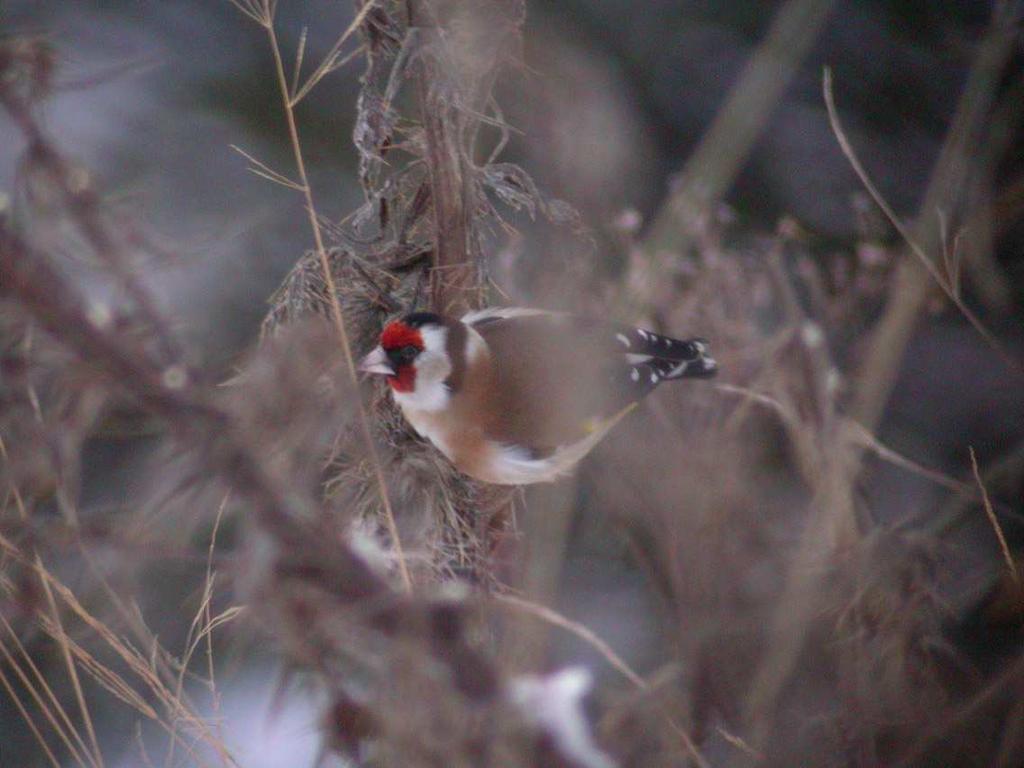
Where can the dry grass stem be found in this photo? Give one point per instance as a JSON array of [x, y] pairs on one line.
[[331, 61], [910, 289], [332, 292], [922, 257], [69, 664], [265, 172], [64, 729], [556, 619], [864, 439], [585, 634], [713, 166], [1004, 548], [177, 709], [26, 717]]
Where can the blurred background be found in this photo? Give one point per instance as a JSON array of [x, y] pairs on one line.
[[676, 543]]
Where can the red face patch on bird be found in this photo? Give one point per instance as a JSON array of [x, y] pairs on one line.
[[402, 343], [398, 334]]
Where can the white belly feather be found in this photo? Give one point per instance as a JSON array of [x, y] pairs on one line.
[[502, 464]]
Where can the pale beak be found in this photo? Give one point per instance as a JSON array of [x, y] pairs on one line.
[[377, 362]]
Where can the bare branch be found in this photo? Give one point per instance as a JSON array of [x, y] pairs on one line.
[[332, 295], [1003, 546], [910, 286], [923, 259], [331, 61], [712, 167], [264, 171]]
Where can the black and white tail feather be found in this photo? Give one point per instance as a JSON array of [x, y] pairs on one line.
[[651, 358]]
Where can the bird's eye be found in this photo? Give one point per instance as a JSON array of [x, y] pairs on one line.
[[400, 356]]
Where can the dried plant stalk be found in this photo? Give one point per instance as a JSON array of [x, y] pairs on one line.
[[911, 285]]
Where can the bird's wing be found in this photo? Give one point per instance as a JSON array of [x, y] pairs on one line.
[[558, 378], [550, 383], [517, 465], [547, 383], [490, 314]]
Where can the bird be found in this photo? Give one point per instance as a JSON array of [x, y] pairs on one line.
[[515, 395]]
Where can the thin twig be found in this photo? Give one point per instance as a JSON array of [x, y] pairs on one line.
[[1008, 465], [83, 757], [264, 171], [212, 680], [83, 203], [1004, 548], [135, 661], [713, 166], [13, 694], [587, 635], [910, 286], [861, 437], [855, 433], [905, 233], [58, 308], [96, 756], [30, 277], [300, 52], [330, 62], [254, 9], [69, 663], [336, 314], [104, 676], [195, 636], [584, 633], [449, 192]]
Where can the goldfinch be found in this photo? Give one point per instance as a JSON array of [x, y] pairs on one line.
[[514, 396]]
